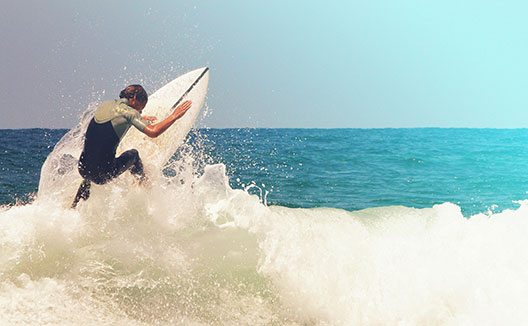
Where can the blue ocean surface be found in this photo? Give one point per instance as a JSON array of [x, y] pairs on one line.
[[353, 169], [272, 227], [22, 153]]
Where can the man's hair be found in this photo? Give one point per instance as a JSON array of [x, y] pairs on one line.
[[134, 90]]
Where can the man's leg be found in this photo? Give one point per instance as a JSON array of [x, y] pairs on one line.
[[82, 193], [130, 160]]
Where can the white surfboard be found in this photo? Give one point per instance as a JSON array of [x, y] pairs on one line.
[[191, 86], [59, 177]]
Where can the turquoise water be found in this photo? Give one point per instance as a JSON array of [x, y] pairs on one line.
[[352, 169], [275, 227]]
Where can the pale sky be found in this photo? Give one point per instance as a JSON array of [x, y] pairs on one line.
[[306, 64]]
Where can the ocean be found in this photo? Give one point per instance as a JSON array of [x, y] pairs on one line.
[[422, 226]]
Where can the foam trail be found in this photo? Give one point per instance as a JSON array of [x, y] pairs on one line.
[[146, 256], [193, 251]]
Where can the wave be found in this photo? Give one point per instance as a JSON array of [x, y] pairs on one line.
[[191, 250]]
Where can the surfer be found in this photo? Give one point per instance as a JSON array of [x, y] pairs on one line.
[[111, 121]]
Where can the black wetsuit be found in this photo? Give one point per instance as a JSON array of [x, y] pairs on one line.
[[98, 163]]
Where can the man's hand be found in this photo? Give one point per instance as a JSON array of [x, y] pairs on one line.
[[157, 129], [181, 109]]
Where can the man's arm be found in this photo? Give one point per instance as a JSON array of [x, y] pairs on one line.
[[148, 118], [157, 129]]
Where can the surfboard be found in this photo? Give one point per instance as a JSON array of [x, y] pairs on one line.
[[59, 177], [191, 86]]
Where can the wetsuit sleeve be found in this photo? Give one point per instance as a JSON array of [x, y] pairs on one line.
[[137, 121]]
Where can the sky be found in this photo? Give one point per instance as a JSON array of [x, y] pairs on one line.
[[274, 64]]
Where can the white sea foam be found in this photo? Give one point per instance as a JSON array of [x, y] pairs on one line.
[[190, 250]]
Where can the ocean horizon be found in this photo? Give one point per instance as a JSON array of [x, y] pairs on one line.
[[249, 169]]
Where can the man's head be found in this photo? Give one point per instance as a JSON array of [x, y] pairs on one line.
[[136, 95]]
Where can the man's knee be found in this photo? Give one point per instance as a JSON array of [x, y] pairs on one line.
[[137, 166], [134, 154]]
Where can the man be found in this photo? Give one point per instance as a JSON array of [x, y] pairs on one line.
[[110, 123]]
